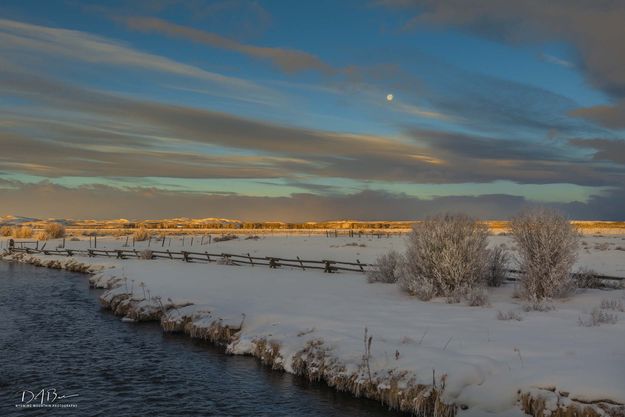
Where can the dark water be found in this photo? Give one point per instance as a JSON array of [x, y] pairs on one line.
[[53, 335]]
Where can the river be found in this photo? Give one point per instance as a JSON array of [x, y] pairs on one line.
[[55, 337]]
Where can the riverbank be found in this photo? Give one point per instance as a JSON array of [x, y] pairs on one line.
[[427, 358]]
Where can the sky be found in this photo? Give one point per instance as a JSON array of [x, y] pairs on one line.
[[311, 110]]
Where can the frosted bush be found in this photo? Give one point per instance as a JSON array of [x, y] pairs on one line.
[[547, 246], [388, 268], [587, 278], [141, 234], [477, 297], [612, 304], [498, 261], [446, 256], [146, 254], [597, 317], [54, 230], [510, 315]]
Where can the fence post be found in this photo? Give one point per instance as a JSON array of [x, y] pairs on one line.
[[301, 263], [272, 263], [359, 264], [251, 261]]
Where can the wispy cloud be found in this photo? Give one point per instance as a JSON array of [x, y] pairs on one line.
[[288, 60], [281, 151], [49, 44], [555, 60], [594, 28]]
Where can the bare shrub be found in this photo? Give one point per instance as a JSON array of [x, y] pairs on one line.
[[23, 232], [538, 305], [225, 238], [597, 317], [54, 230], [587, 278], [146, 254], [547, 245], [224, 261], [388, 268], [612, 304], [445, 255], [6, 231], [497, 262], [510, 315], [141, 234], [602, 246], [41, 235], [477, 297]]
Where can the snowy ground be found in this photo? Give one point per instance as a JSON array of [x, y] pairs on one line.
[[603, 253], [486, 360]]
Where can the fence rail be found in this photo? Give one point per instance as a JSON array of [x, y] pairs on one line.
[[325, 265]]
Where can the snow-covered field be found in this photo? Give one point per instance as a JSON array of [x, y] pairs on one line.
[[475, 360], [603, 253]]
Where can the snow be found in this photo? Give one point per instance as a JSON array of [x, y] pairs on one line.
[[486, 361]]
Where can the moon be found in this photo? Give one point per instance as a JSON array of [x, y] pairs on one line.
[[389, 97]]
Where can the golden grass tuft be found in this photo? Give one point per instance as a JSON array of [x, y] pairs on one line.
[[141, 234], [535, 404]]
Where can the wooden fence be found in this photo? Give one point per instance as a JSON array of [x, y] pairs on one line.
[[325, 265]]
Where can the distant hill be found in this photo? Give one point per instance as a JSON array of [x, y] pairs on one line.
[[184, 223]]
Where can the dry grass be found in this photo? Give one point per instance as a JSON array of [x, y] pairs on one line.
[[141, 234], [548, 403], [23, 232], [398, 390]]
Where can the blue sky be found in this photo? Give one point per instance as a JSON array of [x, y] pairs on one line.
[[244, 108]]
